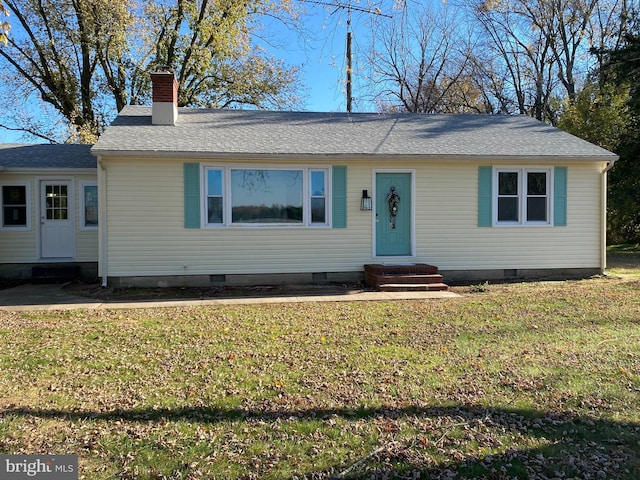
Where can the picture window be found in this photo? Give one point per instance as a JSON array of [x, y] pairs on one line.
[[295, 196]]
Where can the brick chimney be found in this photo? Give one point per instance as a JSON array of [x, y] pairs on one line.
[[165, 97]]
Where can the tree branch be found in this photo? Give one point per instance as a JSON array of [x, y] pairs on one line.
[[29, 131]]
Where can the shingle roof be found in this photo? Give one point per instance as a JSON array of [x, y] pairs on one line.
[[249, 132], [46, 156]]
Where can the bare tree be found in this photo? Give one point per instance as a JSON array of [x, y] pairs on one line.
[[520, 58], [542, 47], [422, 63]]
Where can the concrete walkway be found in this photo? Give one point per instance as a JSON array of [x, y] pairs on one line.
[[53, 297]]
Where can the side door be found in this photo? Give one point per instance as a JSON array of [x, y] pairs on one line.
[[57, 226]]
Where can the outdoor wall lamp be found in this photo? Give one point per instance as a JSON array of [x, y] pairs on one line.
[[365, 201]]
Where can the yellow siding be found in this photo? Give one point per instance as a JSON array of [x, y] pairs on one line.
[[17, 247], [147, 237], [450, 238], [146, 234], [21, 246]]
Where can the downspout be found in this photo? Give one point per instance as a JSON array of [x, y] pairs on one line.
[[603, 215], [102, 223]]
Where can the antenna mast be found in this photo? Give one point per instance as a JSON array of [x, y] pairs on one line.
[[339, 5]]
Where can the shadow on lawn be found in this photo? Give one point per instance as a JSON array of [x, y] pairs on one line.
[[562, 444]]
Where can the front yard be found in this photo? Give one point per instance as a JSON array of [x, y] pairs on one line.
[[538, 380]]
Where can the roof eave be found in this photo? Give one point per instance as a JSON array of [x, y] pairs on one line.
[[48, 170], [164, 154]]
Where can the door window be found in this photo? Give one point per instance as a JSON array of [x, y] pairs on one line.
[[56, 202]]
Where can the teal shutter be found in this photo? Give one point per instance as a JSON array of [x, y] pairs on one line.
[[485, 201], [560, 196], [191, 195], [339, 196]]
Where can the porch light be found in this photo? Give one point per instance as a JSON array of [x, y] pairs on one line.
[[365, 202]]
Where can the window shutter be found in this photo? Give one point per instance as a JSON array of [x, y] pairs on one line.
[[485, 200], [560, 196], [191, 195], [339, 196]]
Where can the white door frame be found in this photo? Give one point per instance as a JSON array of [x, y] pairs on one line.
[[41, 213]]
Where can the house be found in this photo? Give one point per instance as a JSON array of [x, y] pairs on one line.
[[49, 214], [199, 196], [206, 197]]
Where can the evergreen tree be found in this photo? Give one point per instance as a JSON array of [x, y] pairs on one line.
[[623, 69]]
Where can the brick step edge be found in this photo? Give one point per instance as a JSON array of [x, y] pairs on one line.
[[412, 287], [379, 269], [405, 278]]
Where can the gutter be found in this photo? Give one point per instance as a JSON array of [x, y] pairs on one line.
[[364, 156], [102, 224], [603, 215]]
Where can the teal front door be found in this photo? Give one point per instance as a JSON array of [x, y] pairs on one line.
[[393, 214]]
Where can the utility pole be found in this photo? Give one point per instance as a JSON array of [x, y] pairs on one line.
[[349, 70], [348, 7]]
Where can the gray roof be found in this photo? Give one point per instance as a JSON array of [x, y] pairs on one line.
[[45, 156], [210, 133]]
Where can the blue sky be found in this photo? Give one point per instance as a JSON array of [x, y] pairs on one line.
[[321, 56]]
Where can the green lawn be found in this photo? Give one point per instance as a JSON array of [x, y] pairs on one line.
[[538, 380]]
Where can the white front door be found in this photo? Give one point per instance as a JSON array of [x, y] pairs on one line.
[[57, 227]]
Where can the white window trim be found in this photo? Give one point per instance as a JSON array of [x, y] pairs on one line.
[[83, 225], [309, 196], [522, 196], [27, 192], [226, 196]]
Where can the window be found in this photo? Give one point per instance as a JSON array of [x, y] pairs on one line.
[[15, 206], [266, 196], [89, 210], [523, 196], [318, 197], [508, 197], [56, 204], [214, 197], [537, 197]]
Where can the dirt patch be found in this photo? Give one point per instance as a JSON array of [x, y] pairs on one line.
[[138, 293]]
